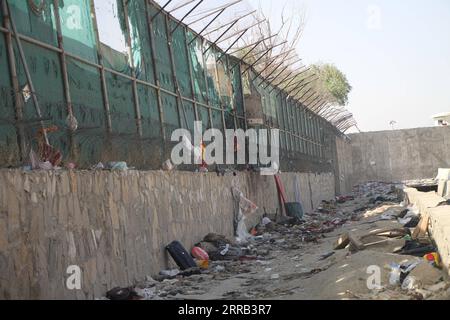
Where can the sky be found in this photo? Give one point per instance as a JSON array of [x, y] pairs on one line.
[[395, 54]]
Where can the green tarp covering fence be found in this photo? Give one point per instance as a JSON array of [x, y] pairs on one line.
[[130, 84]]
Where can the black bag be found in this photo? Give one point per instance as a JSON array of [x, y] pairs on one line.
[[179, 254], [122, 294]]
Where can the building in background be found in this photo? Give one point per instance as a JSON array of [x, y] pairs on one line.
[[442, 119]]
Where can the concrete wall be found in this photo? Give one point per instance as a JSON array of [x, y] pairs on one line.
[[115, 225], [399, 155], [438, 215], [345, 166]]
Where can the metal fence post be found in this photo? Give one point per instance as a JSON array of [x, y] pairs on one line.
[[155, 72], [18, 102]]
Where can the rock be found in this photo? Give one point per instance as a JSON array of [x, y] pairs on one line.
[[208, 247], [425, 293], [342, 242], [441, 286], [217, 239], [426, 275]]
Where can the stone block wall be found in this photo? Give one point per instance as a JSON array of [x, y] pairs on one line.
[[115, 225]]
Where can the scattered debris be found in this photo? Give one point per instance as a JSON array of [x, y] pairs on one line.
[[118, 166], [181, 256], [279, 258]]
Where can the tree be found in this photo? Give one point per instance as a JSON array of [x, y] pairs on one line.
[[332, 82]]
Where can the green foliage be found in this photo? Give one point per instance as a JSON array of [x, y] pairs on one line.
[[332, 81]]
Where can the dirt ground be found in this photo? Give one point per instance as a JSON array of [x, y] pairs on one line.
[[299, 262]]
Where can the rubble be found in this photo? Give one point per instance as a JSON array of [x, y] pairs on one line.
[[324, 255]]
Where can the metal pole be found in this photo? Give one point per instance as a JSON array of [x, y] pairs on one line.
[[65, 76], [298, 83], [231, 46], [342, 121], [27, 71], [255, 45], [332, 120], [251, 44], [293, 79], [186, 15], [344, 124], [320, 106], [238, 32], [331, 112], [63, 58], [180, 106], [220, 37], [181, 6], [231, 22], [207, 26], [205, 75], [191, 77], [304, 95], [18, 102], [317, 104], [263, 55], [273, 59], [106, 105], [302, 87], [137, 109], [325, 110], [284, 54], [156, 74], [288, 76], [160, 10], [304, 102], [279, 74], [210, 12]]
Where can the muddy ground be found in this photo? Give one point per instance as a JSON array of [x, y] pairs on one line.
[[298, 262]]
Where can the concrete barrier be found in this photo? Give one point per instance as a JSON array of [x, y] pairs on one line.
[[430, 205]]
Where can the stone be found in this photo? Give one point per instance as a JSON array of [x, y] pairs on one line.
[[426, 274], [441, 286]]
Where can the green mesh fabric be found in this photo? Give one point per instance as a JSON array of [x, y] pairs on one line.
[[121, 103], [181, 60], [171, 118], [140, 40], [149, 112], [38, 23], [238, 97], [215, 82], [1, 16], [77, 28], [217, 120], [162, 54], [212, 78], [8, 139], [45, 70], [198, 70], [88, 108], [203, 115]]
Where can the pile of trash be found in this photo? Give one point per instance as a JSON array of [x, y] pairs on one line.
[[218, 257]]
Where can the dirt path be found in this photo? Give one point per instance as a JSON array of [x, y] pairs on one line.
[[289, 267]]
